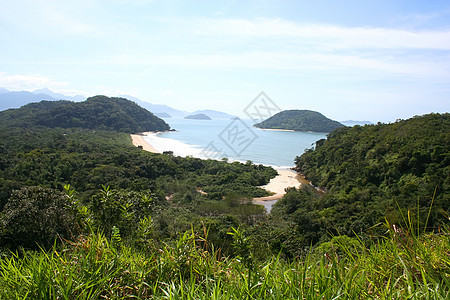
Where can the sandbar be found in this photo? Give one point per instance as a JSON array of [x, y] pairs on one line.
[[138, 140]]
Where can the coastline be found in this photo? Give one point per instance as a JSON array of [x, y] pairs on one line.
[[274, 129], [285, 178], [138, 140]]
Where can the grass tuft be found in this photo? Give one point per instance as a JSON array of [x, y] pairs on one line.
[[403, 266]]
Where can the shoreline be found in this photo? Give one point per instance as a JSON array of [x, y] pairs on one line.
[[285, 178], [274, 129], [139, 141]]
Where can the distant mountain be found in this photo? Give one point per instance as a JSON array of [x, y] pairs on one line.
[[214, 114], [352, 123], [162, 115], [300, 120], [58, 96], [158, 108], [18, 99], [99, 112], [198, 117]]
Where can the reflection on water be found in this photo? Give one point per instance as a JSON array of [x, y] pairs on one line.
[[267, 204]]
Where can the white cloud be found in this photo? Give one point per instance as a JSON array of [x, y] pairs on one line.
[[331, 35], [308, 61], [31, 82], [27, 82], [276, 44]]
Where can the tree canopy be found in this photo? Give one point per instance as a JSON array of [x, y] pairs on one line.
[[98, 112], [300, 120], [372, 173]]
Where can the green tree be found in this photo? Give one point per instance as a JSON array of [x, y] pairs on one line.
[[37, 216]]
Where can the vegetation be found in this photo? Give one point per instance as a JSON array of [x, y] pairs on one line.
[[85, 214], [404, 266], [375, 172], [300, 120], [88, 160], [99, 112]]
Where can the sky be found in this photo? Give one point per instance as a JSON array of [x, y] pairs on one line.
[[350, 59]]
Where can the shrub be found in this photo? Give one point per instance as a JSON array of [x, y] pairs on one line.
[[37, 216]]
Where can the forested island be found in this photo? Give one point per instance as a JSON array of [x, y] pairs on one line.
[[299, 120], [198, 117], [85, 214]]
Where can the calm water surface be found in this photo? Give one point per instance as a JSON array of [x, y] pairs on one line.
[[235, 140]]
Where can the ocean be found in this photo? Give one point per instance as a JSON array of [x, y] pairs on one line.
[[235, 139]]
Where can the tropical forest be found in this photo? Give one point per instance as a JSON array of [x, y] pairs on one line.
[[85, 214]]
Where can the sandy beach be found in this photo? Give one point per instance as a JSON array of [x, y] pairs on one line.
[[286, 178], [138, 140]]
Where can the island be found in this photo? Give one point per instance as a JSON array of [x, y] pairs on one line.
[[299, 120], [198, 117]]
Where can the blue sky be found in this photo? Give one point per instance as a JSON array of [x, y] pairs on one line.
[[361, 60]]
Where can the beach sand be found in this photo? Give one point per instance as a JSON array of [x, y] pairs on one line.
[[138, 140], [286, 178]]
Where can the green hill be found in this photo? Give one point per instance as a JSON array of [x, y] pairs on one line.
[[99, 112], [300, 120], [392, 171]]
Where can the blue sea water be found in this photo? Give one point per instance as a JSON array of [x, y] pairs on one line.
[[235, 139]]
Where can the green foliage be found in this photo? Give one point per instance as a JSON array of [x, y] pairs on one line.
[[99, 112], [300, 120], [134, 182], [401, 267], [89, 159], [134, 224], [116, 239], [122, 210], [376, 172], [36, 216]]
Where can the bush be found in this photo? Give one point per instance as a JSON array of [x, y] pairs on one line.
[[37, 216]]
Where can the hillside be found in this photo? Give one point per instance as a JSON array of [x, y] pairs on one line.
[[87, 207], [99, 112], [372, 174], [299, 120]]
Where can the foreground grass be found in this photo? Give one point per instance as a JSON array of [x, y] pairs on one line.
[[400, 267]]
